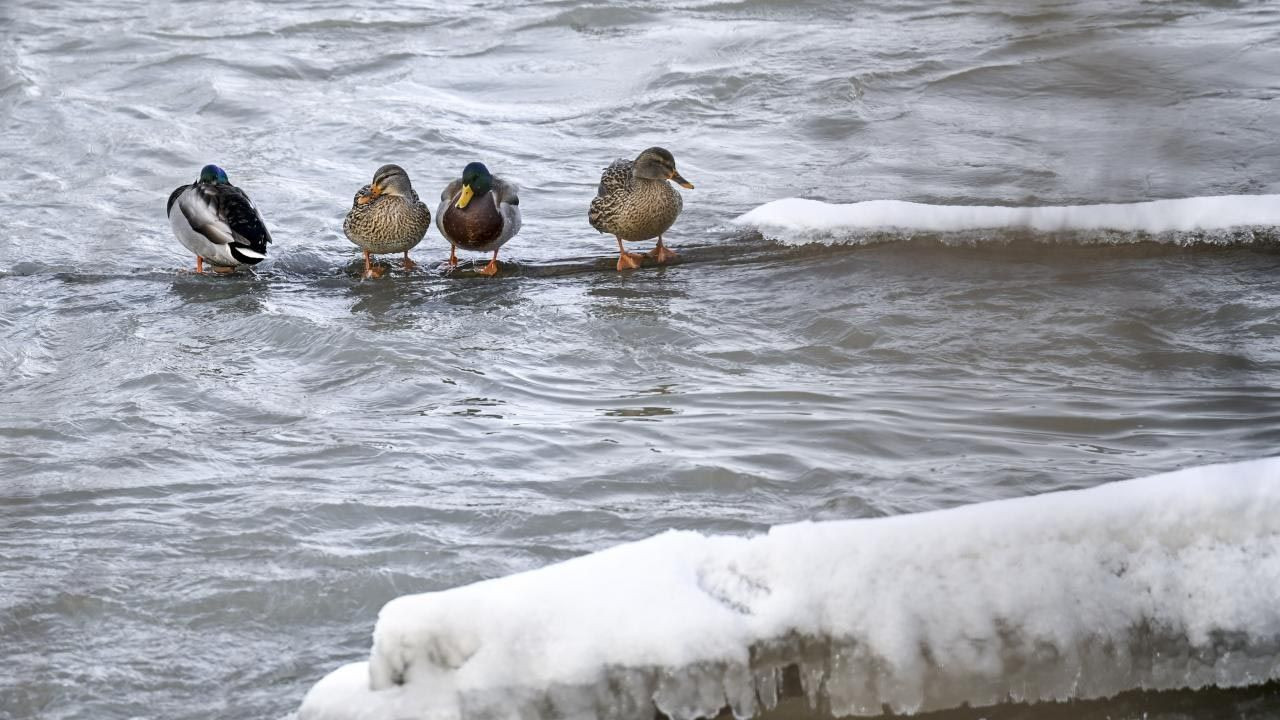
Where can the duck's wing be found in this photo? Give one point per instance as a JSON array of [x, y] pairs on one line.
[[614, 178], [507, 197], [224, 215], [361, 193], [451, 190], [613, 186], [243, 217], [505, 193], [173, 198]]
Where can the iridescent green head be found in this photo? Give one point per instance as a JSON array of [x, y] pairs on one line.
[[213, 175], [476, 180]]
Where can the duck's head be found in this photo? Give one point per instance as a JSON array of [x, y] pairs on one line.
[[213, 175], [658, 164], [390, 180], [476, 180]]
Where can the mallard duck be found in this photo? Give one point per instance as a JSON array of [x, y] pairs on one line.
[[478, 212], [386, 216], [635, 202], [216, 220]]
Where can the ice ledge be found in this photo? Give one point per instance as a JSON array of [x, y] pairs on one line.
[[1165, 582], [1224, 220]]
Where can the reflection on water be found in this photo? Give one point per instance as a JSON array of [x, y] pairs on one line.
[[639, 412], [247, 297], [634, 298]]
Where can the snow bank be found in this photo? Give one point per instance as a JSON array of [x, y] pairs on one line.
[[1164, 582], [1201, 219]]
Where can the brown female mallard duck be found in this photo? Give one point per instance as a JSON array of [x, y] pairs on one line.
[[386, 216], [635, 202], [478, 212]]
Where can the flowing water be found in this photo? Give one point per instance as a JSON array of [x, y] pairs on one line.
[[211, 484]]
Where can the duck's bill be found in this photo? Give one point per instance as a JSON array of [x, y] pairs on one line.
[[681, 181], [465, 196]]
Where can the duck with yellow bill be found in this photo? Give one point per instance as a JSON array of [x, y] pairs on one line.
[[478, 212]]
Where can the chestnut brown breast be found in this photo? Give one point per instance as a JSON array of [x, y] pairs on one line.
[[474, 226]]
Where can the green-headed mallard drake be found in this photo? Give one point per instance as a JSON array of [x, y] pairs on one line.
[[478, 212], [216, 220], [386, 216], [635, 202]]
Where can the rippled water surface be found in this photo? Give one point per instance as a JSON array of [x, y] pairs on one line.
[[211, 484]]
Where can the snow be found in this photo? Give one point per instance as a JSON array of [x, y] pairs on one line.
[[1168, 581], [802, 221]]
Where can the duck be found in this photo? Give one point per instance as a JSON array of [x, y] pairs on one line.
[[478, 212], [636, 202], [218, 222], [386, 217]]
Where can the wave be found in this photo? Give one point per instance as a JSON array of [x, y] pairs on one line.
[[1158, 583], [601, 20], [1228, 220]]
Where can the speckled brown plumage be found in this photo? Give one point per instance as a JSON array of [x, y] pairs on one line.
[[386, 223], [631, 207]]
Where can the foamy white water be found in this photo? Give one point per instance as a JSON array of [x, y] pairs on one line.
[[798, 219], [1164, 582]]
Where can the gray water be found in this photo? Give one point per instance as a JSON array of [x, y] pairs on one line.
[[211, 484]]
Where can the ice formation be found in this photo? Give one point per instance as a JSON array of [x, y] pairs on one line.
[[1168, 581], [1199, 219]]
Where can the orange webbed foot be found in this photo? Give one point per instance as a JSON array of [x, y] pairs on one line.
[[371, 269], [629, 261], [662, 255]]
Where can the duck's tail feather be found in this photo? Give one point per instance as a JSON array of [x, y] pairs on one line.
[[246, 254]]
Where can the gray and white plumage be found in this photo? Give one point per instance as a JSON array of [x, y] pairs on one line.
[[467, 228], [386, 216], [217, 221]]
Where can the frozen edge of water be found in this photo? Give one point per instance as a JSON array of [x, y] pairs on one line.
[[1158, 583]]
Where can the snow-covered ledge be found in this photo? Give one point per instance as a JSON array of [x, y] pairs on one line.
[[1218, 220], [1168, 581]]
